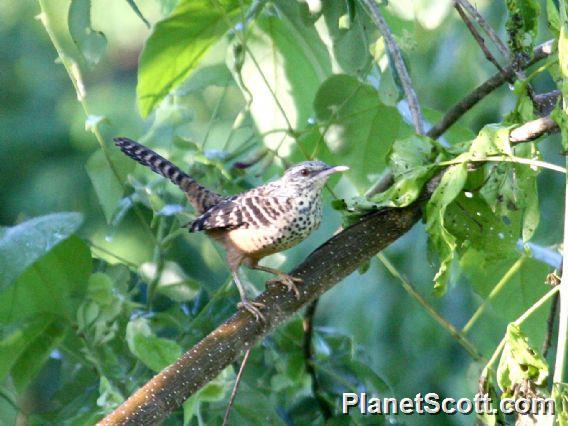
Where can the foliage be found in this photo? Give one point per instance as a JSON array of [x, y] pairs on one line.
[[93, 304]]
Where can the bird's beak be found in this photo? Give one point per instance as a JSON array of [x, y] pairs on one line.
[[335, 169]]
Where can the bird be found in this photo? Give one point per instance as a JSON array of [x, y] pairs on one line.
[[254, 224]]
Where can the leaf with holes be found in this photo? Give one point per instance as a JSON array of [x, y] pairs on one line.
[[91, 43]]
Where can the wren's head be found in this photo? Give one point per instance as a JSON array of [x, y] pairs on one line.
[[309, 175]]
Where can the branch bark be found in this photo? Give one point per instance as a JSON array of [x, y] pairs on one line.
[[322, 269], [325, 267], [470, 100]]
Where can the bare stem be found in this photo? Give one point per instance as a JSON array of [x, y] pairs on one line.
[[470, 100], [478, 38], [309, 359], [236, 388], [474, 13], [409, 288], [400, 66]]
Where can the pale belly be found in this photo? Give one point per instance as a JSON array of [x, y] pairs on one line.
[[268, 240]]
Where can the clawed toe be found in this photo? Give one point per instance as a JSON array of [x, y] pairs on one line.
[[254, 308], [287, 281]]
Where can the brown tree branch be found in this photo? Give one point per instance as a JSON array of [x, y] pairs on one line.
[[470, 100], [325, 267], [532, 130], [478, 38], [236, 387], [400, 66], [474, 13], [322, 269]]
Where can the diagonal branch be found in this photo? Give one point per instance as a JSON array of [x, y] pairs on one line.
[[325, 267], [474, 13], [470, 100], [478, 37], [396, 55]]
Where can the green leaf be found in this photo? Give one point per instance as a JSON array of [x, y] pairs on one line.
[[346, 30], [30, 362], [19, 339], [359, 128], [173, 283], [279, 73], [54, 284], [522, 25], [155, 352], [91, 43], [23, 244], [137, 11], [213, 391], [264, 411], [519, 362], [486, 269], [109, 396], [178, 43], [450, 186], [107, 178], [553, 17]]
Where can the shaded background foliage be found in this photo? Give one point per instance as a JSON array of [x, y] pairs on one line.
[[104, 305]]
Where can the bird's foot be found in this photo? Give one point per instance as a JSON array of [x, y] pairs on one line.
[[253, 307], [288, 281]]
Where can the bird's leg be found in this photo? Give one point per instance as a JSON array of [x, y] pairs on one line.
[[252, 307], [287, 280]]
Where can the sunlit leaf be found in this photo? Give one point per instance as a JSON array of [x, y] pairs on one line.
[[450, 186], [359, 129], [54, 284], [155, 352], [279, 72], [23, 244], [178, 43], [90, 42], [519, 362]]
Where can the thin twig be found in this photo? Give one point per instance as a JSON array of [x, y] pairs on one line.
[[494, 292], [474, 13], [470, 100], [409, 288], [478, 38], [550, 326], [537, 305], [396, 55], [307, 348], [236, 388]]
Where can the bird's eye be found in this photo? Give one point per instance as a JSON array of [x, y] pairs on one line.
[[304, 172]]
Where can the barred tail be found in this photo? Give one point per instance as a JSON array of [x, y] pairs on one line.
[[201, 198]]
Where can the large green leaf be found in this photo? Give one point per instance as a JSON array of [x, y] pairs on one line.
[[178, 43], [279, 71], [54, 284], [359, 128], [347, 31], [155, 352], [23, 244], [24, 351]]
